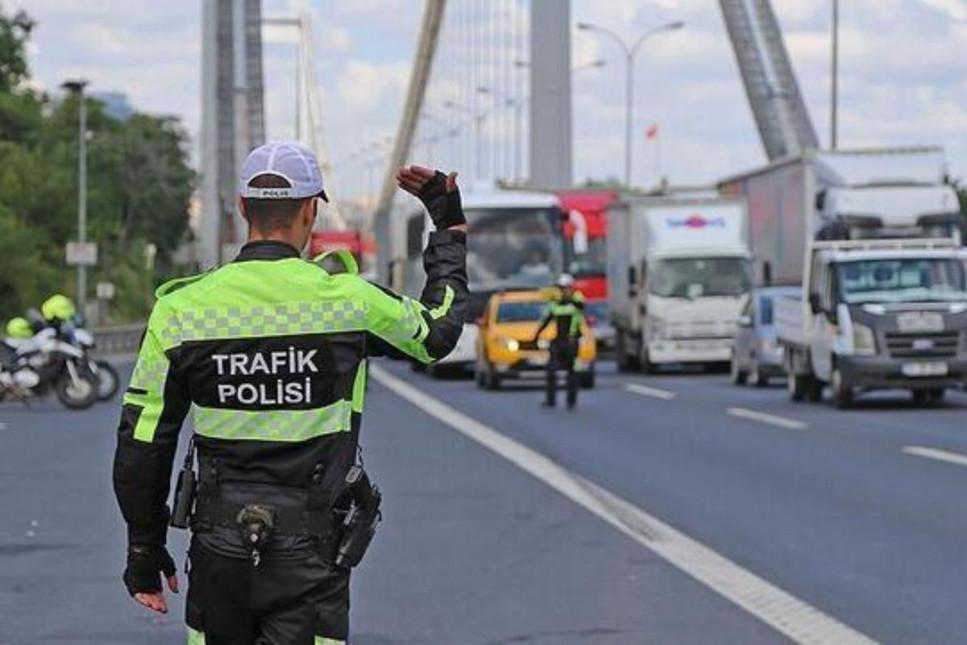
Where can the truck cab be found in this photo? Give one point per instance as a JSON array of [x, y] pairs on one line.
[[879, 314], [679, 274]]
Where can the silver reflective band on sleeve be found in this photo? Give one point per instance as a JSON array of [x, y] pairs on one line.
[[327, 641], [195, 637], [274, 425]]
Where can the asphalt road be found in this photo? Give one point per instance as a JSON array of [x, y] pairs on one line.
[[855, 513]]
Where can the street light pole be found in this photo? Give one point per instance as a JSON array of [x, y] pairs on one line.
[[630, 52], [77, 88], [834, 94]]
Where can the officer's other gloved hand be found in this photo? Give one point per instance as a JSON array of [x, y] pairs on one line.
[[438, 192], [142, 576]]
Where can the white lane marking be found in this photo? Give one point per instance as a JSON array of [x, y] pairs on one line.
[[785, 613], [937, 455], [653, 392], [771, 419]]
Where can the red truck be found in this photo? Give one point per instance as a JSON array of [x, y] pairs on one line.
[[585, 252], [361, 244]]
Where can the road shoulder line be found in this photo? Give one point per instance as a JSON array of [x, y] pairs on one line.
[[782, 611], [771, 419]]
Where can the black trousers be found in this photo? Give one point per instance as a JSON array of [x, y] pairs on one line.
[[563, 354], [293, 601]]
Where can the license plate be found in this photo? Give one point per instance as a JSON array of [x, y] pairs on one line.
[[914, 321], [924, 369]]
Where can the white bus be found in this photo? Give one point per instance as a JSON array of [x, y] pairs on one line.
[[514, 242]]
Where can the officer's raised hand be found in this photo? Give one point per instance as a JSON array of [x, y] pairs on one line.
[[438, 192], [142, 576]]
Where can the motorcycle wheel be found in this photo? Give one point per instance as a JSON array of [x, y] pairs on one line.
[[107, 381], [77, 396]]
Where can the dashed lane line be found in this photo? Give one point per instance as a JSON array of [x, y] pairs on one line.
[[788, 615], [937, 455], [653, 392], [771, 419]]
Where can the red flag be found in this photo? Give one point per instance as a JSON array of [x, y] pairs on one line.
[[652, 131]]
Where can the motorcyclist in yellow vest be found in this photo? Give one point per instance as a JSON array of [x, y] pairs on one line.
[[567, 312]]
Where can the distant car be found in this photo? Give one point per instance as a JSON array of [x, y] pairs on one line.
[[756, 355], [596, 311], [506, 347]]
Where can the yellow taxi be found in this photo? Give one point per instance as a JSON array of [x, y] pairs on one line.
[[506, 347]]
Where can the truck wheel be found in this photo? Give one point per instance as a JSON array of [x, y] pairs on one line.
[[626, 362], [933, 395], [738, 376], [796, 385], [936, 394], [814, 390], [644, 362], [842, 391]]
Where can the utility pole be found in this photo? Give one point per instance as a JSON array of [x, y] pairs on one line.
[[834, 94], [77, 89]]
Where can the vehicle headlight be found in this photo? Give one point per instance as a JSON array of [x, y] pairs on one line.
[[510, 344], [864, 341]]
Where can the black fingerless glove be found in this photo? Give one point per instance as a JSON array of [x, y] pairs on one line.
[[445, 208], [145, 564]]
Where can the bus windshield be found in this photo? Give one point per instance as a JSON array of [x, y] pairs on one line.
[[510, 248], [902, 280]]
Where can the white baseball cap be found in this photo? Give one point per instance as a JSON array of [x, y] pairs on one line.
[[292, 162], [565, 280]]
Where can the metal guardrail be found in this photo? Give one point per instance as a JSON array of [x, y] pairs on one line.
[[118, 339]]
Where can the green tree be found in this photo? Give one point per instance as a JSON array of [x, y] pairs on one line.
[[139, 187]]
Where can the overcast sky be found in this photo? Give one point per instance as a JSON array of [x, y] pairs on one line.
[[903, 82]]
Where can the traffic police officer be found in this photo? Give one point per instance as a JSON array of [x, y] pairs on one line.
[[567, 312], [269, 351]]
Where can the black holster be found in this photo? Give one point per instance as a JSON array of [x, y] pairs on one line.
[[359, 525]]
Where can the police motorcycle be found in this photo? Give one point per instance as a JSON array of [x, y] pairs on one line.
[[39, 356], [107, 377], [32, 367]]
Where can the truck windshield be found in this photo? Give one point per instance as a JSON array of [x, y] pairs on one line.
[[510, 312], [512, 248], [700, 277], [902, 280]]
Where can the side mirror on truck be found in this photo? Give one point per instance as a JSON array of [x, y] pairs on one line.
[[814, 304]]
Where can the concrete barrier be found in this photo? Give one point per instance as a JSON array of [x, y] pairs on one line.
[[118, 339]]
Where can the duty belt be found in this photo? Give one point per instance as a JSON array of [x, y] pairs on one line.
[[211, 512]]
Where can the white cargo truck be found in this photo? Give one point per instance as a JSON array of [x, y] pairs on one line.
[[679, 273], [874, 238]]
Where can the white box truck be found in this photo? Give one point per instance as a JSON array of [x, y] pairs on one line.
[[679, 273], [874, 238]]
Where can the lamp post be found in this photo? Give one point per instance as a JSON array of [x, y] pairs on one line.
[[478, 120], [77, 87], [834, 94], [630, 52]]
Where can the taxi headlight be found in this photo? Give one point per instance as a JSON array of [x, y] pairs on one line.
[[864, 341], [510, 344]]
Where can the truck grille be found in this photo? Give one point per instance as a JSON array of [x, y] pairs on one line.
[[943, 344]]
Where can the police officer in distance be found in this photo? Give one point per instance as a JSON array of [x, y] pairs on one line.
[[270, 352], [567, 312]]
